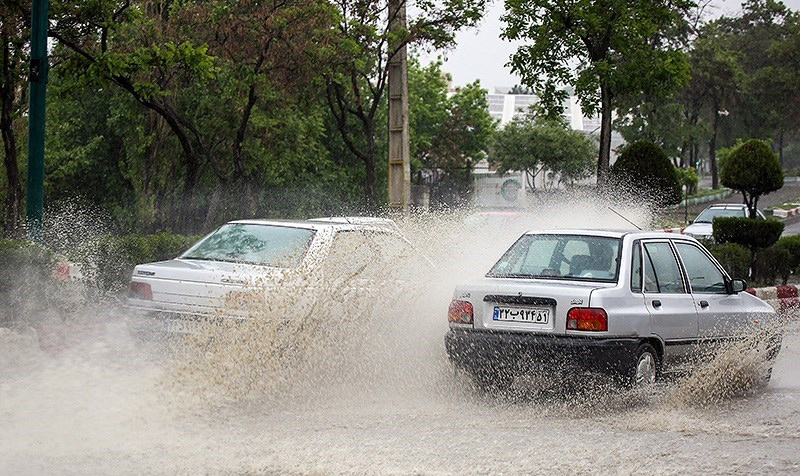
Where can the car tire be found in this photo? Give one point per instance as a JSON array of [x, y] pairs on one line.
[[644, 368]]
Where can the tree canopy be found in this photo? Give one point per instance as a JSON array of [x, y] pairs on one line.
[[752, 169], [538, 145], [644, 168], [604, 50]]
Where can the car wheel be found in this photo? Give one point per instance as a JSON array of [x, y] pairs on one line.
[[644, 369]]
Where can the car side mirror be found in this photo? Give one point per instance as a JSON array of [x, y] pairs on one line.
[[736, 285]]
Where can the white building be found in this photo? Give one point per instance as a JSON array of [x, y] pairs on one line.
[[508, 190]]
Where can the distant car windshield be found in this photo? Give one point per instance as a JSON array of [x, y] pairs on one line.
[[708, 215], [574, 257], [269, 245]]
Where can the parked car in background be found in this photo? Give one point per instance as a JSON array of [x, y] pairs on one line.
[[631, 304], [701, 227], [264, 258]]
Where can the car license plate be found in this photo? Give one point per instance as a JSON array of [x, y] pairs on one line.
[[535, 315]]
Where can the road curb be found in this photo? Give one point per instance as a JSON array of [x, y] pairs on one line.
[[704, 199], [782, 298], [781, 213]]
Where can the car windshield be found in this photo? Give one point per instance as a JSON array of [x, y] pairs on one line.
[[269, 245], [574, 257], [707, 215]]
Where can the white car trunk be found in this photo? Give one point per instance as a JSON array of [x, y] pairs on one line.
[[201, 287], [521, 305]]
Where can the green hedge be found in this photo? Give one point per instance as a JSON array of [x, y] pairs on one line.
[[734, 258], [749, 232], [26, 270], [771, 266]]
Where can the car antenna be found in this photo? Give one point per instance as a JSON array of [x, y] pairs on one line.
[[620, 215]]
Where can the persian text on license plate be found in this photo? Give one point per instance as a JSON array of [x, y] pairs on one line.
[[520, 314]]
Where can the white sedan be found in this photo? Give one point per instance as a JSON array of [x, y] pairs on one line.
[[634, 304], [268, 259], [701, 228]]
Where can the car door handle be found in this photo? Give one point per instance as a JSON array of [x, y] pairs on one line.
[[656, 303], [704, 304]]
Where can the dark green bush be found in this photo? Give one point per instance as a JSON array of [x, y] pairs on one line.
[[749, 232], [792, 245], [26, 277], [734, 258], [644, 167], [770, 264]]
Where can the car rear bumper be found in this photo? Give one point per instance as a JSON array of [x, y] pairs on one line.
[[477, 350]]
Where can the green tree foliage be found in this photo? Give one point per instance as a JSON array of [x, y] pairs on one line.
[[765, 36], [603, 49], [645, 169], [449, 132], [718, 77], [687, 178], [537, 145], [222, 76], [753, 169], [355, 88]]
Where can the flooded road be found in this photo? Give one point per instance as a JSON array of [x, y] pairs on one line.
[[103, 409], [370, 399]]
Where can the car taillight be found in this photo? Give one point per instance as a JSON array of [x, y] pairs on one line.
[[138, 290], [587, 319], [460, 312]]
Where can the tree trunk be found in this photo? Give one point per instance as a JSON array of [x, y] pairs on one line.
[[780, 148], [604, 161], [712, 147], [13, 205], [369, 167]]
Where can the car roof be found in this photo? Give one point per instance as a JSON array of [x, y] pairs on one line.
[[728, 205], [337, 223], [611, 233]]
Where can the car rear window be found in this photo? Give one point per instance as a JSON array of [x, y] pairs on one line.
[[268, 245], [708, 215], [574, 257]]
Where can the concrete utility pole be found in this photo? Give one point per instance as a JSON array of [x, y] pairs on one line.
[[34, 197], [399, 150]]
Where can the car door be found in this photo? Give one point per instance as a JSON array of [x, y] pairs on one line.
[[720, 314], [673, 316]]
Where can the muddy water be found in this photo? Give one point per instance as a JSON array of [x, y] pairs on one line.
[[371, 395]]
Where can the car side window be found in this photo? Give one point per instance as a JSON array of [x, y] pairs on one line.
[[352, 255], [704, 276], [662, 269], [636, 268]]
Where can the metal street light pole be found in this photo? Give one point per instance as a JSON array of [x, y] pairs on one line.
[[34, 197]]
